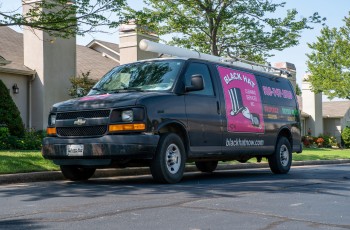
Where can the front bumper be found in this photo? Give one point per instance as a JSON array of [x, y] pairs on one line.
[[101, 150]]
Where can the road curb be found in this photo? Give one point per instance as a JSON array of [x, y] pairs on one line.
[[56, 175]]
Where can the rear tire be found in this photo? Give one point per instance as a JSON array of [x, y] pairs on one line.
[[281, 161], [76, 173], [206, 166], [168, 165]]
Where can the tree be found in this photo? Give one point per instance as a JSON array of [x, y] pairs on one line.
[[298, 90], [244, 27], [329, 63], [66, 18], [345, 135], [9, 113], [81, 85]]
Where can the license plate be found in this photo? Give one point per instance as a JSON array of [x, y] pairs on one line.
[[75, 150]]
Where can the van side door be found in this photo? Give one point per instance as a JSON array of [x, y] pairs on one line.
[[244, 122], [204, 118]]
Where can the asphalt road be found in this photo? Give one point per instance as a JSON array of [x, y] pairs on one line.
[[312, 197]]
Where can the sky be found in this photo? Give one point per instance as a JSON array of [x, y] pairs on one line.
[[334, 11]]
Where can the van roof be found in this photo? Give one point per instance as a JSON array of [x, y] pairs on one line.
[[241, 65]]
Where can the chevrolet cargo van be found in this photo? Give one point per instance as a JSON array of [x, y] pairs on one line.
[[163, 113]]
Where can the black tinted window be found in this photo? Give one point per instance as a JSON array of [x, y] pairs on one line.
[[277, 91]]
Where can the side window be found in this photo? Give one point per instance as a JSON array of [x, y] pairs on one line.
[[277, 91], [202, 69]]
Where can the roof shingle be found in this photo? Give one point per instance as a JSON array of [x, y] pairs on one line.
[[11, 48], [335, 109], [110, 45], [90, 60]]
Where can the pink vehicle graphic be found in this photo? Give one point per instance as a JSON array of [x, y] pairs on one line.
[[238, 107], [242, 99]]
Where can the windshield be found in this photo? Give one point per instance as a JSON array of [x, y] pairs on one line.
[[139, 76]]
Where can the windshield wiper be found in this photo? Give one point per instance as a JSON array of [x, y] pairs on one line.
[[133, 89], [126, 89], [99, 90]]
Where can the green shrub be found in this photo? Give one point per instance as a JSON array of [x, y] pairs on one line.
[[32, 140], [9, 113], [81, 85], [4, 132], [346, 136], [326, 140], [333, 141]]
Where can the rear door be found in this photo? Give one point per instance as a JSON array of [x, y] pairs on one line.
[[280, 109], [203, 113]]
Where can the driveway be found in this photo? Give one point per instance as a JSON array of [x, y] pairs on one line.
[[309, 197]]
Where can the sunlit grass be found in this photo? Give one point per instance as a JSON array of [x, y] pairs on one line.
[[24, 161], [322, 154]]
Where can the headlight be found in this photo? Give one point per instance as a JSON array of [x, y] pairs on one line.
[[52, 119], [127, 115]]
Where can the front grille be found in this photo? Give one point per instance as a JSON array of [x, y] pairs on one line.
[[84, 114], [82, 131]]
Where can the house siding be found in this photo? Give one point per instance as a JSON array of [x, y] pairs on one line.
[[333, 127], [21, 99]]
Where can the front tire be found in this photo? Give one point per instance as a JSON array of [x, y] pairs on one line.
[[76, 173], [281, 161], [168, 165], [206, 166]]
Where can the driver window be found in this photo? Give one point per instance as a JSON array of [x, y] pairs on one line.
[[202, 69]]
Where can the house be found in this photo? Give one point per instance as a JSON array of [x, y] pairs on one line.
[[97, 57], [336, 116], [106, 49], [318, 117], [13, 72], [16, 74], [36, 68]]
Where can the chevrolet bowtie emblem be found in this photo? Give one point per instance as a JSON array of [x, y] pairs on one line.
[[80, 121]]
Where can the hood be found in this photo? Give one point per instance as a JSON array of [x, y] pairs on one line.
[[102, 101]]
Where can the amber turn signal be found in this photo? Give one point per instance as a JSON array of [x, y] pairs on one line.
[[127, 127], [51, 131]]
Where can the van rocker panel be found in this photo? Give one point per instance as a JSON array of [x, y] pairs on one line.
[[110, 146]]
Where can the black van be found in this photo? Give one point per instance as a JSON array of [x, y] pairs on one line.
[[163, 113]]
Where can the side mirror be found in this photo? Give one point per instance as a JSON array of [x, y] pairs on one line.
[[196, 83]]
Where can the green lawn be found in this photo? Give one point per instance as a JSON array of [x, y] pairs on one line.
[[322, 154], [32, 161], [24, 161]]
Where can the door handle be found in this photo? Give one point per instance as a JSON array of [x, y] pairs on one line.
[[218, 107]]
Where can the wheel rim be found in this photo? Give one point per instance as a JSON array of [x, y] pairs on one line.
[[284, 155], [173, 158]]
